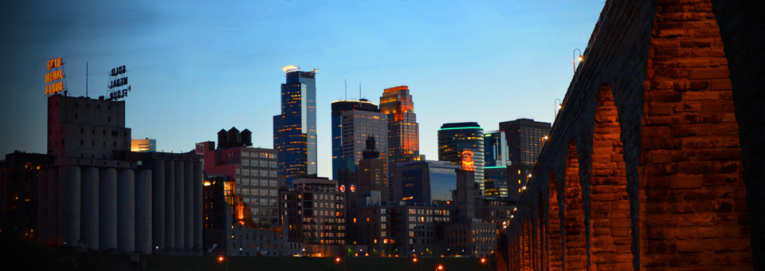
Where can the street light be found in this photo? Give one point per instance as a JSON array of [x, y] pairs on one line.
[[440, 267], [580, 58], [337, 261], [221, 259]]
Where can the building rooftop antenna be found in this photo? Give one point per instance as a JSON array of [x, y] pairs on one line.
[[86, 79], [346, 89], [359, 90]]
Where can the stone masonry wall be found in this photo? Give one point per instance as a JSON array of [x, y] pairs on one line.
[[643, 169]]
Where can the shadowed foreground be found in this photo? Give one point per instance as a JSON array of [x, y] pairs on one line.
[[25, 255]]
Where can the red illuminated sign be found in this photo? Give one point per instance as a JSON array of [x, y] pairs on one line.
[[342, 188], [53, 76], [353, 188], [54, 63], [54, 88], [467, 161]]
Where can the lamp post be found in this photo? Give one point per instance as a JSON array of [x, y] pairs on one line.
[[415, 261], [556, 108], [581, 58], [222, 259], [338, 261]]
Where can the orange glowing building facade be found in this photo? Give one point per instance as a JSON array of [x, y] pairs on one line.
[[403, 130]]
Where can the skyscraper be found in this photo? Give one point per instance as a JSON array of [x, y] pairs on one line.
[[295, 127], [453, 138], [495, 164], [358, 132], [403, 130], [525, 139]]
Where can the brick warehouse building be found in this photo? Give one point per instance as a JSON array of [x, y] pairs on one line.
[[655, 161]]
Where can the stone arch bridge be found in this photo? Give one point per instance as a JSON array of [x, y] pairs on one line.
[[655, 161]]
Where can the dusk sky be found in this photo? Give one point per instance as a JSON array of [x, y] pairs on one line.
[[196, 67]]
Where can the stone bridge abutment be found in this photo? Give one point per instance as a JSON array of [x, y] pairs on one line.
[[655, 160]]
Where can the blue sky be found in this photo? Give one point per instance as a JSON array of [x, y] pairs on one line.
[[196, 67]]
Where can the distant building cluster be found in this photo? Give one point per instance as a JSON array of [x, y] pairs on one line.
[[99, 189]]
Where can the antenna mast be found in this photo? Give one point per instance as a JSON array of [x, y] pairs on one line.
[[86, 79], [346, 89]]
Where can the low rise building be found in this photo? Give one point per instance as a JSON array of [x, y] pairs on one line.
[[18, 192], [471, 239], [314, 210], [229, 229], [253, 170]]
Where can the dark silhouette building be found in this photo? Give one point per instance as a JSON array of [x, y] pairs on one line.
[[18, 192], [371, 172]]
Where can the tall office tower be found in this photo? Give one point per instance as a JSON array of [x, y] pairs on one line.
[[525, 139], [338, 108], [372, 174], [403, 130], [454, 138], [295, 127], [253, 172], [495, 164], [357, 127]]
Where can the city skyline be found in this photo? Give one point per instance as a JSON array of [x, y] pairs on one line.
[[203, 66]]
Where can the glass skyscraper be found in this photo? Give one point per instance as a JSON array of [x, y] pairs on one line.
[[453, 138], [403, 130], [495, 164], [427, 181], [338, 108], [295, 127]]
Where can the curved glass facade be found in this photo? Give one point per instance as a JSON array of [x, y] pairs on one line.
[[453, 138]]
